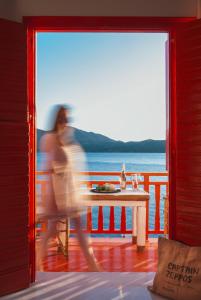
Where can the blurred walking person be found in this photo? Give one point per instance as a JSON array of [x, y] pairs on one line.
[[64, 159]]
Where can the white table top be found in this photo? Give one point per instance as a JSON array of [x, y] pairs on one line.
[[125, 195]]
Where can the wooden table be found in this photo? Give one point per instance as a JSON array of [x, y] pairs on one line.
[[136, 199], [126, 198]]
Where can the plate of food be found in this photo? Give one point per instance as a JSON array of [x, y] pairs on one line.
[[105, 188]]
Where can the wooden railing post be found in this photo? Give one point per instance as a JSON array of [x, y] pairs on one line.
[[100, 219], [89, 219], [111, 226], [43, 192], [157, 207], [146, 188], [123, 219]]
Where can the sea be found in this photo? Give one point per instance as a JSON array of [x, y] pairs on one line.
[[134, 162]]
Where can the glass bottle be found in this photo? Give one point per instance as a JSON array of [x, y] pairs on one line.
[[123, 178]]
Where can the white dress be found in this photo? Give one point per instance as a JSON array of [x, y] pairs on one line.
[[63, 162]]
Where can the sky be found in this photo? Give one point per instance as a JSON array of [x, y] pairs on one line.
[[114, 82]]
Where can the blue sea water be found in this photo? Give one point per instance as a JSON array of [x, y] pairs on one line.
[[134, 162], [137, 162]]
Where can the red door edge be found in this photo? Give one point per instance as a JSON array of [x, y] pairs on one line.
[[32, 144], [98, 24], [172, 135]]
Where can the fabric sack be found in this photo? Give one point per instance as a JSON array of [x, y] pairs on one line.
[[179, 271]]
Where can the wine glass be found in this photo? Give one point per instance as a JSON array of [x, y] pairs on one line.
[[134, 181]]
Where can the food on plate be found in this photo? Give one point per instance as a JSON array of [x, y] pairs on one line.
[[106, 187]]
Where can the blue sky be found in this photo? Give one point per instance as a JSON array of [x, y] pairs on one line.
[[115, 82]]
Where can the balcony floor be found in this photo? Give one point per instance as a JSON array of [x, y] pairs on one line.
[[113, 255]]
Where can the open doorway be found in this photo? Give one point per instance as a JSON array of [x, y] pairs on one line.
[[116, 84]]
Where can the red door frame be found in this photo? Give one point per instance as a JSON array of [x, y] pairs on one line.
[[100, 24]]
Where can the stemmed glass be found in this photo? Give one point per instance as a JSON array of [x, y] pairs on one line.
[[134, 181]]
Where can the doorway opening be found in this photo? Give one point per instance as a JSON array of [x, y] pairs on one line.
[[102, 24], [116, 84]]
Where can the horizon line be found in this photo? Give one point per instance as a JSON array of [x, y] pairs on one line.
[[147, 139]]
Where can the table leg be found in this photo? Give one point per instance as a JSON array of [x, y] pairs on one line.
[[134, 233], [141, 228]]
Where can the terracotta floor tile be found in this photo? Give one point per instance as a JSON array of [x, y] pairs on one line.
[[114, 255]]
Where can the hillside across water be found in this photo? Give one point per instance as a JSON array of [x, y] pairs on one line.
[[94, 142]]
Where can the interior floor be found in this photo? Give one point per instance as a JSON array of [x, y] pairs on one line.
[[88, 286]]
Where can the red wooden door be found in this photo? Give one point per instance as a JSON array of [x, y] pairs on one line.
[[14, 251], [187, 172], [167, 77]]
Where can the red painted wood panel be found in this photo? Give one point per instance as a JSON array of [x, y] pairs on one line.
[[104, 23], [167, 92], [14, 259], [188, 134]]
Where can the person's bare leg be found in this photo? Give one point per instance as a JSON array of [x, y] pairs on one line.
[[87, 250], [50, 233]]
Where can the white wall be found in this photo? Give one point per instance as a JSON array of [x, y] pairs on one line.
[[16, 9]]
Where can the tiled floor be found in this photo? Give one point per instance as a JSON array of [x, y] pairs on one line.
[[113, 255], [88, 286]]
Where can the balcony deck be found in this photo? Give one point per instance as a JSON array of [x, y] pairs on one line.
[[113, 255]]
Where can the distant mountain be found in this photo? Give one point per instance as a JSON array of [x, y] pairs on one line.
[[94, 142]]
